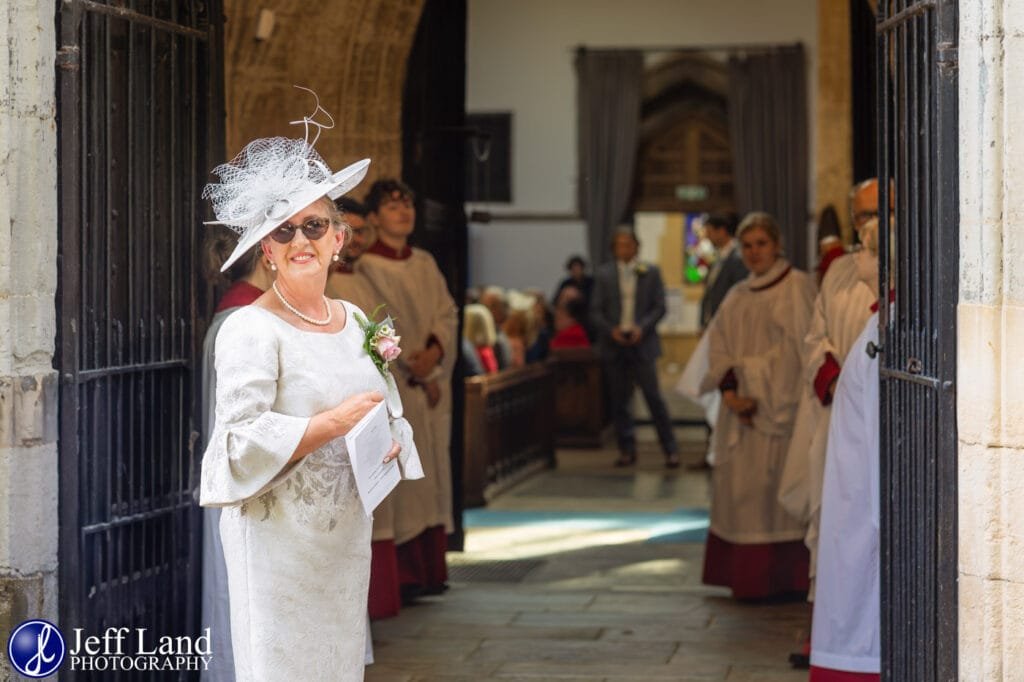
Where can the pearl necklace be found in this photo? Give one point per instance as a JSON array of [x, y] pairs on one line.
[[306, 318]]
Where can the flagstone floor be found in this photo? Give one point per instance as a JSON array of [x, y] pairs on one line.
[[587, 572]]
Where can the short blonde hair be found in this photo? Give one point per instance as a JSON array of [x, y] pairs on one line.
[[760, 220], [478, 325]]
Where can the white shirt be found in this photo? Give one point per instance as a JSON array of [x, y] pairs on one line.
[[627, 293]]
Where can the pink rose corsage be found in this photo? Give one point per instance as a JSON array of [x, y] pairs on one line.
[[379, 340]]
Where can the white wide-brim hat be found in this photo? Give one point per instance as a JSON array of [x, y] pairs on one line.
[[269, 182]]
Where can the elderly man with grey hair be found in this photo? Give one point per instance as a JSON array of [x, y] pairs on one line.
[[627, 302]]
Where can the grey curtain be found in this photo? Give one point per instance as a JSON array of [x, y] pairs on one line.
[[768, 127], [609, 95]]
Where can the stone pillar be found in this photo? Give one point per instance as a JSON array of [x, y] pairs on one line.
[[833, 128], [28, 282], [991, 340]]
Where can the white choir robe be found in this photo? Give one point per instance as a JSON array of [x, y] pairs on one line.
[[418, 300], [846, 629], [840, 310], [355, 288], [757, 334]]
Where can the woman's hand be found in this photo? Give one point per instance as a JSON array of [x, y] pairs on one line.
[[393, 453], [348, 413]]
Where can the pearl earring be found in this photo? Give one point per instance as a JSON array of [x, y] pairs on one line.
[[336, 258], [273, 267]]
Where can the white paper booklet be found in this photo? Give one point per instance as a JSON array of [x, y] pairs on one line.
[[368, 443]]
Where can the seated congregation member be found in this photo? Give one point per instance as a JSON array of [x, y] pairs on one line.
[[570, 329], [754, 353], [846, 628], [496, 300], [409, 282], [578, 279], [627, 303], [292, 379], [517, 331], [727, 270], [249, 276], [544, 329], [478, 331]]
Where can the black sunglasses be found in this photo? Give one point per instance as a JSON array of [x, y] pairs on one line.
[[314, 228]]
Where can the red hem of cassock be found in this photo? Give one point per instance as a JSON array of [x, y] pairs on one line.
[[758, 570], [421, 561], [830, 675], [385, 600]]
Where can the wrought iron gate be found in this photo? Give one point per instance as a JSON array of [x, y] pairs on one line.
[[135, 103], [917, 112]]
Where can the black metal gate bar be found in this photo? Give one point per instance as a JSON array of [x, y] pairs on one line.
[[136, 90], [917, 148]]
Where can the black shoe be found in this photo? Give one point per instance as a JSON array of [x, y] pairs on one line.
[[799, 660]]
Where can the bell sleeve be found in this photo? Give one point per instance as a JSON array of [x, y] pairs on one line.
[[251, 444]]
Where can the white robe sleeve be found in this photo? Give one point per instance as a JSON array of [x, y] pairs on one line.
[[817, 344], [251, 444], [445, 324]]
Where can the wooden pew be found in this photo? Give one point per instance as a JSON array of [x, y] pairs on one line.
[[509, 430], [581, 413]]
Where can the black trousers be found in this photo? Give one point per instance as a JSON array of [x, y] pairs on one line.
[[625, 371]]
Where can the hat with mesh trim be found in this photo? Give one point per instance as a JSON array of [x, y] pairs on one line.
[[270, 181]]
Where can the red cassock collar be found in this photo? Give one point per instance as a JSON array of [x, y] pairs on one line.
[[240, 293], [379, 248]]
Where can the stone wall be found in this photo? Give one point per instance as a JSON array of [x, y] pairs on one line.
[[351, 52], [28, 282], [833, 130], [991, 338]]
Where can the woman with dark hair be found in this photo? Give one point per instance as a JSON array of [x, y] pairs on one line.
[[248, 277]]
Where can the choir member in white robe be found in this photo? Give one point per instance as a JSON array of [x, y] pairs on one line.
[[408, 280], [840, 310], [347, 283], [846, 630], [754, 546]]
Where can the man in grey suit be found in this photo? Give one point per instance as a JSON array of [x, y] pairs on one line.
[[729, 269], [627, 302]]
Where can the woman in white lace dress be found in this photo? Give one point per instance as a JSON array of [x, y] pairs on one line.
[[292, 379]]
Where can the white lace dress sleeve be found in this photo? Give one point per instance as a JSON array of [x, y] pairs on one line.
[[251, 443]]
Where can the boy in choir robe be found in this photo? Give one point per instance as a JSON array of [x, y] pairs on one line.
[[846, 627], [346, 283], [409, 282]]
